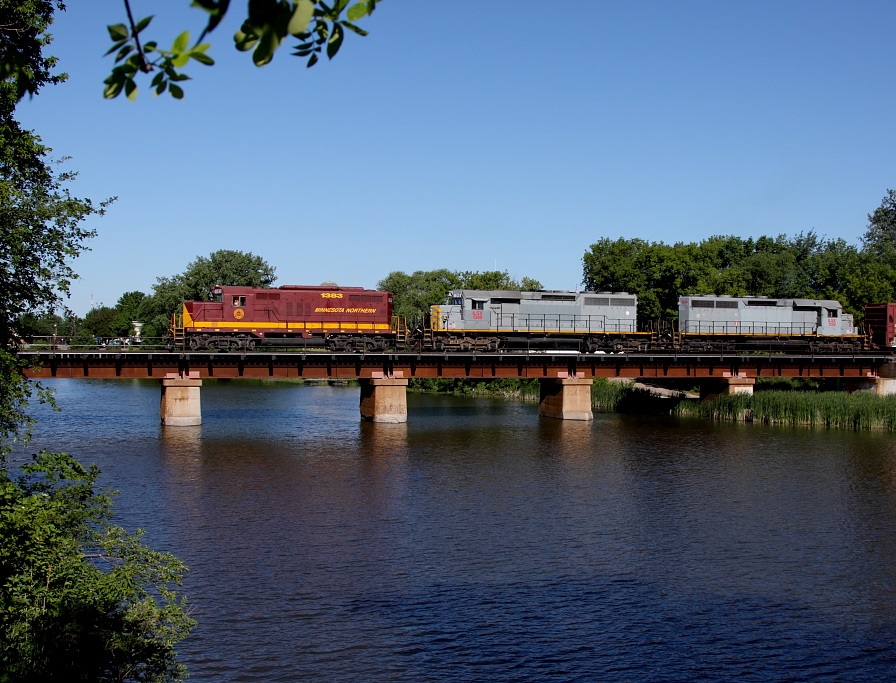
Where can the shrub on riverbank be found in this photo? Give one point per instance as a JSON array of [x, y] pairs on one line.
[[510, 387], [835, 409]]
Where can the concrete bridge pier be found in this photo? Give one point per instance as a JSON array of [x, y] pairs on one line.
[[885, 383], [566, 398], [384, 399], [727, 386], [180, 405]]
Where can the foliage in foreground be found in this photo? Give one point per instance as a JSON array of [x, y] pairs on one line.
[[318, 27], [80, 598]]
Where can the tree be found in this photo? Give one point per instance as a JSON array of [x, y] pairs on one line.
[[804, 266], [80, 599], [222, 267], [414, 294], [129, 308], [496, 279], [880, 236], [98, 321], [318, 27], [40, 221]]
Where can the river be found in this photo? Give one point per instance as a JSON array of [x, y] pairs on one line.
[[480, 542]]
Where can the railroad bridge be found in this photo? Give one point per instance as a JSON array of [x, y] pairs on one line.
[[565, 378]]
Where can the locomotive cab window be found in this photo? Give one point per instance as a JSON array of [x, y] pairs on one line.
[[217, 295], [239, 301], [477, 305], [832, 312]]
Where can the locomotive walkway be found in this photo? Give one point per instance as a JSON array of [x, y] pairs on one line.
[[565, 377]]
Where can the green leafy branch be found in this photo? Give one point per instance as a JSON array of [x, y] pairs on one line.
[[134, 57], [315, 24], [318, 27]]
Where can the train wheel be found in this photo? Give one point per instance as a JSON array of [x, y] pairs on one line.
[[194, 344]]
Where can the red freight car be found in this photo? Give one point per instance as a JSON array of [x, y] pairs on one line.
[[880, 325], [337, 318]]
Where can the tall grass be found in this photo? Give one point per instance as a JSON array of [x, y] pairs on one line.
[[511, 387], [607, 396], [626, 397], [789, 403], [834, 409]]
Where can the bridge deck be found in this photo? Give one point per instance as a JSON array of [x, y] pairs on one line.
[[223, 365]]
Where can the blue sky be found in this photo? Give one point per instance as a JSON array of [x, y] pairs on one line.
[[479, 135]]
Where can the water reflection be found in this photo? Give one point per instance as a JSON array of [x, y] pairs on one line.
[[383, 440], [181, 440], [567, 438]]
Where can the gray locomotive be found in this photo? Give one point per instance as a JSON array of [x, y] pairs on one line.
[[606, 322], [725, 323], [492, 320]]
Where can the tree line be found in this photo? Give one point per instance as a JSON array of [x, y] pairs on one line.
[[413, 294], [802, 266]]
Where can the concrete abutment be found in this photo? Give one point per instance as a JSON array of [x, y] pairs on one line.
[[566, 398], [180, 405], [384, 400], [885, 383]]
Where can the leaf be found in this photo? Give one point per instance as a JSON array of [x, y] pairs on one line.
[[130, 89], [356, 29], [124, 52], [335, 41], [181, 59], [216, 10], [118, 32], [244, 40], [312, 61], [117, 44], [113, 88], [176, 91], [202, 58], [181, 42], [301, 17], [268, 44], [357, 11], [142, 24]]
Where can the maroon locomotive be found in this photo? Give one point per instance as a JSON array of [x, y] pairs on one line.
[[328, 316]]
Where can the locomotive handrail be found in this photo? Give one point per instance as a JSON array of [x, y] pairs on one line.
[[737, 327], [560, 322]]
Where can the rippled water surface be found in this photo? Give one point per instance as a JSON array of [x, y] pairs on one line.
[[479, 542]]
